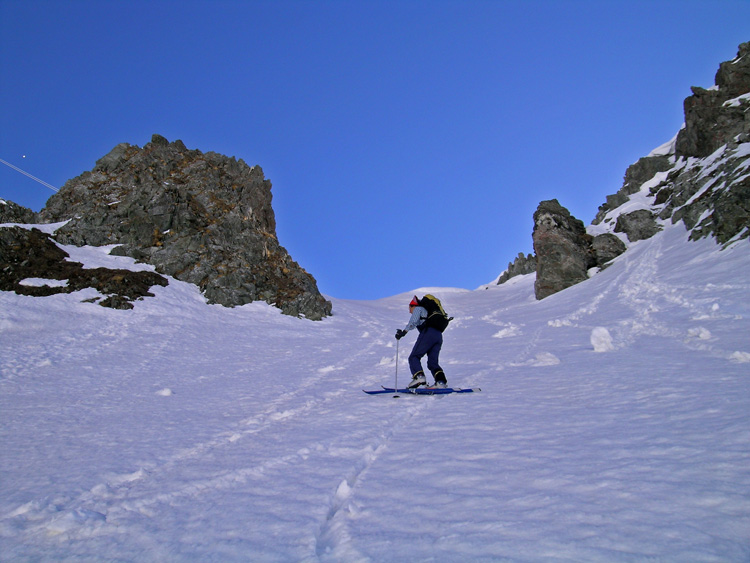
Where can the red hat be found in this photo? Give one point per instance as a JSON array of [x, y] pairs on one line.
[[414, 302]]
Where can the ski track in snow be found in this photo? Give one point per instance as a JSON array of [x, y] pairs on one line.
[[157, 484], [180, 431]]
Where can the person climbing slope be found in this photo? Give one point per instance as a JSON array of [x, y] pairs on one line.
[[430, 324]]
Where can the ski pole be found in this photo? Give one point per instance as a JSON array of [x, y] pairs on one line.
[[395, 386]]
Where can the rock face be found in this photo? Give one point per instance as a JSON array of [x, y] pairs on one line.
[[565, 252], [700, 178], [26, 254], [562, 247], [710, 196], [200, 217], [716, 117]]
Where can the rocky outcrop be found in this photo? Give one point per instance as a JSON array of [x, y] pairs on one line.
[[635, 176], [520, 266], [606, 248], [13, 213], [565, 252], [710, 196], [202, 218], [637, 225], [702, 177], [708, 188], [562, 247], [718, 116], [31, 254]]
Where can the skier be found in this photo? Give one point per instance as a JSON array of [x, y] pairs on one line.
[[429, 341]]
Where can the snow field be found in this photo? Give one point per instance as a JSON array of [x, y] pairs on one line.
[[181, 431]]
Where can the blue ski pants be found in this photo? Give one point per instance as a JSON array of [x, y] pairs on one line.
[[428, 342]]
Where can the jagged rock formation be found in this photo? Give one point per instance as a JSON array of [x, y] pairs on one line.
[[28, 254], [710, 196], [716, 117], [702, 176], [635, 176], [520, 266], [13, 213], [200, 217]]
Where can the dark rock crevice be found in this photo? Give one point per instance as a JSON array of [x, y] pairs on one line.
[[27, 254]]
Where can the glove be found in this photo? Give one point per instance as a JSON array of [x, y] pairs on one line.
[[400, 334]]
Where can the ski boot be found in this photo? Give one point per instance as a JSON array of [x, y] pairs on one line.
[[440, 381], [416, 380]]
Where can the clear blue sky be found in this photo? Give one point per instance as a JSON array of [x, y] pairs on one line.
[[408, 142]]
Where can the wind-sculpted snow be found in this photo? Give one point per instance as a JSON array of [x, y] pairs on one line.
[[181, 431]]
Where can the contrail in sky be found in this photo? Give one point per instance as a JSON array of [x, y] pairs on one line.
[[42, 182]]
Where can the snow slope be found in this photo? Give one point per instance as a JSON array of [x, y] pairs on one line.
[[613, 424]]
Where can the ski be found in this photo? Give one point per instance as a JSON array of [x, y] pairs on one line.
[[430, 390], [422, 390]]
